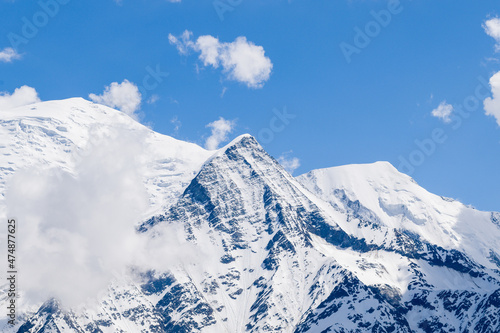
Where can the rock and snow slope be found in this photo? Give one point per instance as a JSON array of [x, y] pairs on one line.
[[359, 248], [398, 202]]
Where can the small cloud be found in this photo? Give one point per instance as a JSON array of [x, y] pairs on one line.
[[177, 124], [224, 89], [241, 60], [21, 96], [492, 28], [8, 54], [443, 111], [183, 43], [220, 129], [124, 96], [173, 100], [289, 163], [153, 99], [492, 104]]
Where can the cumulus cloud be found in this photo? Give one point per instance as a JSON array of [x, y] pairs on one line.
[[124, 96], [289, 163], [492, 28], [492, 104], [241, 60], [443, 111], [21, 96], [8, 54], [220, 130]]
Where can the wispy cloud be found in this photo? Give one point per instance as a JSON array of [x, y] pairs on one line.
[[443, 111], [220, 130], [21, 96], [124, 96], [241, 60], [177, 124], [288, 162], [153, 99], [183, 43], [8, 54]]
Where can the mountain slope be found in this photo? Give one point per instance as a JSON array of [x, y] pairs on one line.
[[55, 133], [394, 200], [358, 248]]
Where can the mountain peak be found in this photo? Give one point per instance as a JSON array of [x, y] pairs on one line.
[[241, 140]]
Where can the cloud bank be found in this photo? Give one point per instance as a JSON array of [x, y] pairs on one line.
[[241, 60], [78, 229]]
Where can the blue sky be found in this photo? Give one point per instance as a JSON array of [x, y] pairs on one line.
[[370, 105]]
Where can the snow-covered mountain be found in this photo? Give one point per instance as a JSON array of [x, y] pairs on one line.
[[357, 248]]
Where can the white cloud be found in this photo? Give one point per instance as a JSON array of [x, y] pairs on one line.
[[246, 62], [492, 28], [223, 92], [220, 129], [8, 54], [21, 96], [124, 96], [289, 163], [241, 60], [492, 104], [183, 43], [210, 50], [177, 124], [153, 99], [79, 228], [443, 111]]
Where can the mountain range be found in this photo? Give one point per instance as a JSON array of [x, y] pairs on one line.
[[355, 248]]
